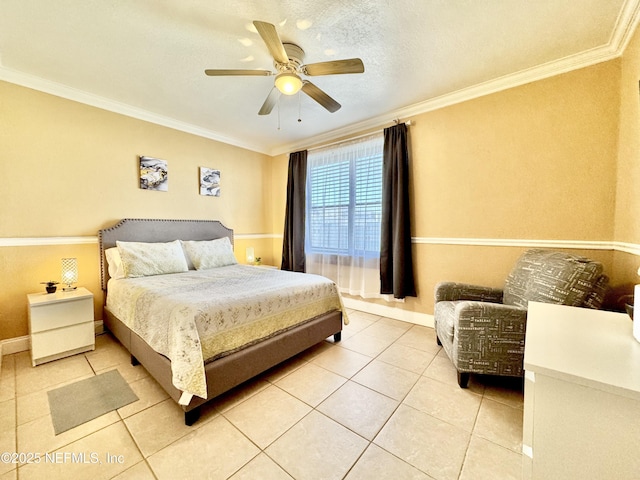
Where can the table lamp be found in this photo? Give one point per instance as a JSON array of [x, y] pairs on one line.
[[69, 273]]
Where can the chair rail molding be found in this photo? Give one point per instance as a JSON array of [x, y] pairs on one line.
[[626, 247], [632, 248], [37, 241]]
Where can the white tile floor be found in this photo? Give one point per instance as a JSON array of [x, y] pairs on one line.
[[383, 404]]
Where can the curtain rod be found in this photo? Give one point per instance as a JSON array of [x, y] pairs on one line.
[[408, 123]]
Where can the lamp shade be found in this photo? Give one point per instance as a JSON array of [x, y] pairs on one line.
[[288, 83], [69, 271]]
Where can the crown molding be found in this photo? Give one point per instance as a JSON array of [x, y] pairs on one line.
[[540, 72], [63, 91], [625, 26], [620, 37]]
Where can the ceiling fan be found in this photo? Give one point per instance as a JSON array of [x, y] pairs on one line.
[[288, 59]]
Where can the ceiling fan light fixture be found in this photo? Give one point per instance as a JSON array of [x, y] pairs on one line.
[[288, 83]]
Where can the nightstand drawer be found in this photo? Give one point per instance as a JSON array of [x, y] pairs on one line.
[[61, 340], [61, 314]]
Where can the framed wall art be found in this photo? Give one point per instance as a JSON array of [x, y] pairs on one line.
[[209, 182], [154, 174]]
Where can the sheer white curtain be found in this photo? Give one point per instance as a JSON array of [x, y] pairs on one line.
[[343, 211]]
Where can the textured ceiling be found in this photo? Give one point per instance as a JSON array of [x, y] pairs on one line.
[[146, 58]]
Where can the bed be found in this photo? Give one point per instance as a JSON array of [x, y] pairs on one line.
[[185, 327]]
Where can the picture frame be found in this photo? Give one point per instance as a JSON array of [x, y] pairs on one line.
[[154, 174], [209, 182]]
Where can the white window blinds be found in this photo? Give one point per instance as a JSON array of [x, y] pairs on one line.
[[344, 193]]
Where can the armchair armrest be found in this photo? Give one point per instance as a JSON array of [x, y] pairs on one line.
[[489, 338], [452, 291]]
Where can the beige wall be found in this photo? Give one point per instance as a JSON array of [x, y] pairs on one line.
[[627, 212], [536, 162], [69, 169], [556, 159]]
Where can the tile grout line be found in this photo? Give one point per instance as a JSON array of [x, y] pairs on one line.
[[15, 406], [133, 438], [400, 402], [310, 360]]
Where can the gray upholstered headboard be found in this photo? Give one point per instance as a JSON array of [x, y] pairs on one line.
[[152, 230]]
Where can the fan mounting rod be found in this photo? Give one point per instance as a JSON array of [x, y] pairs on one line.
[[295, 55]]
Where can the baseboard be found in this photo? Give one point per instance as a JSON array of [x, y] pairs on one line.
[[15, 345], [22, 344], [98, 327], [417, 318]]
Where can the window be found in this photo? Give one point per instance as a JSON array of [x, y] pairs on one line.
[[344, 198]]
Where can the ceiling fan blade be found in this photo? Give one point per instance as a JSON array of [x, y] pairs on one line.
[[221, 72], [270, 37], [321, 97], [351, 65], [270, 102]]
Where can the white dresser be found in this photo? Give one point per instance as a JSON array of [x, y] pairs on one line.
[[582, 395], [60, 324]]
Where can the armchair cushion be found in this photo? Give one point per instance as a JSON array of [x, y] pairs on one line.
[[551, 277]]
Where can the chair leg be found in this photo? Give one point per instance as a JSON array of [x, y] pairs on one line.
[[463, 379]]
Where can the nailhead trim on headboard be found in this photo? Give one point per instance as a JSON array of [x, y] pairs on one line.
[[156, 230]]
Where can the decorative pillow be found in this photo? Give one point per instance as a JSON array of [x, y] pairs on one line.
[[190, 265], [144, 259], [114, 262], [206, 254]]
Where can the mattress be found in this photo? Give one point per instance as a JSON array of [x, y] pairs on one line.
[[200, 315]]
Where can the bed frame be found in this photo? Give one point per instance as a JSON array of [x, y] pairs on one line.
[[227, 372]]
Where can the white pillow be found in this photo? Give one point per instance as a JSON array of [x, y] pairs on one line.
[[207, 254], [114, 262], [143, 259]]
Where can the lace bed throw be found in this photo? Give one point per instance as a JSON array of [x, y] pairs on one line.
[[197, 316]]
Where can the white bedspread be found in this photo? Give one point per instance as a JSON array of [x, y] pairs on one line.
[[201, 315]]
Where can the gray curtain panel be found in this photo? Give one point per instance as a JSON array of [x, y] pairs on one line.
[[396, 262], [293, 258]]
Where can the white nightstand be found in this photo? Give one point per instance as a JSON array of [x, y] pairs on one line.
[[60, 324]]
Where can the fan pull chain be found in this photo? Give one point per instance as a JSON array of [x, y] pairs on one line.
[[299, 102], [278, 113]]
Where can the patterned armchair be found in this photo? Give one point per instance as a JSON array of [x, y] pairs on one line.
[[482, 329]]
